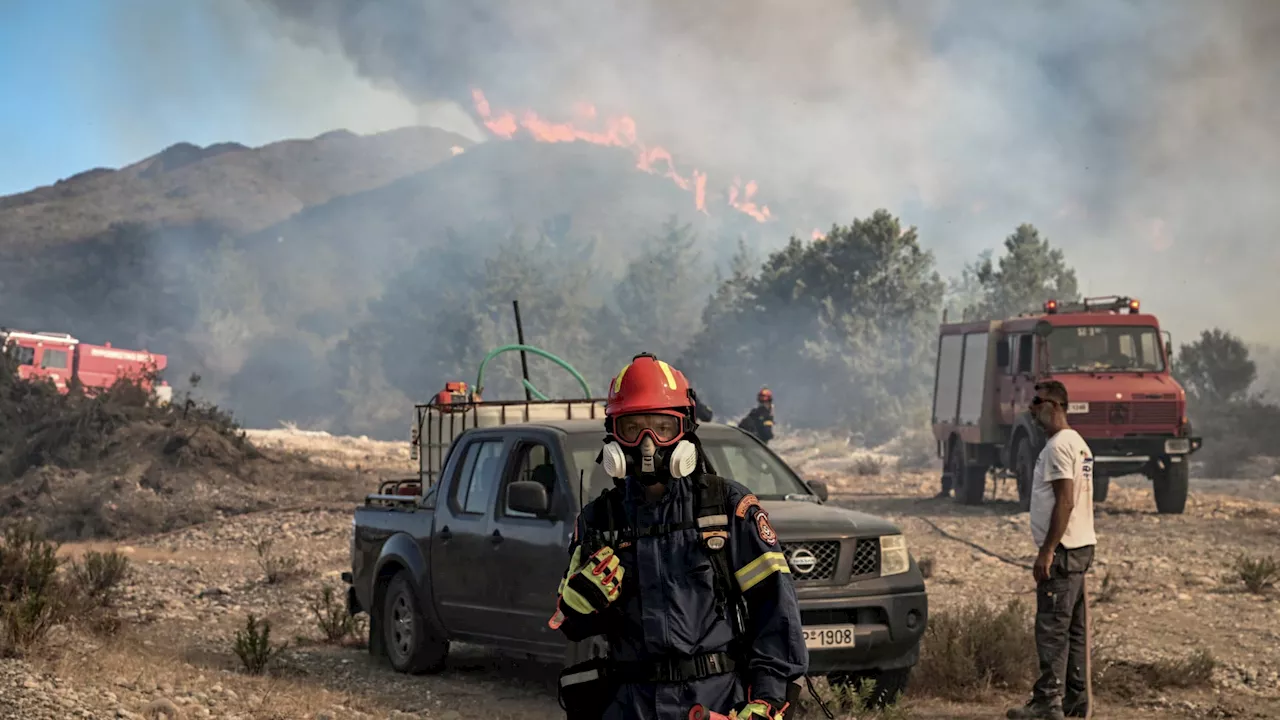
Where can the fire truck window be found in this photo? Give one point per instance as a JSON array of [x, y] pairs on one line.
[[536, 465], [25, 355], [54, 359], [1105, 348], [1025, 354]]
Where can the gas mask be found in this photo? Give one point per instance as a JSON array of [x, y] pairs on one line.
[[647, 462]]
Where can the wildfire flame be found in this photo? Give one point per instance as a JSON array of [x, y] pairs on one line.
[[817, 234], [617, 132]]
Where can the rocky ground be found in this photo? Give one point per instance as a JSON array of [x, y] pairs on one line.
[[1162, 589]]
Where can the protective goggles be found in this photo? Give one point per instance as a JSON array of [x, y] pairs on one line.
[[664, 429]]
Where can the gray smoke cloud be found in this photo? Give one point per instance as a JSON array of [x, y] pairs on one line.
[[1139, 136]]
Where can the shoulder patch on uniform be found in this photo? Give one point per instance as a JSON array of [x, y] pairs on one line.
[[746, 504], [763, 527]]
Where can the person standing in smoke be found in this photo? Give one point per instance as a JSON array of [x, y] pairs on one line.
[[759, 421], [679, 569]]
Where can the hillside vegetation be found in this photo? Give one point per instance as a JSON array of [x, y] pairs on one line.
[[393, 268]]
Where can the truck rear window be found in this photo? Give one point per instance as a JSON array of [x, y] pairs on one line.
[[737, 458]]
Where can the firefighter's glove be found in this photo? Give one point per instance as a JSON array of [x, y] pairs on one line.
[[757, 710], [594, 584]]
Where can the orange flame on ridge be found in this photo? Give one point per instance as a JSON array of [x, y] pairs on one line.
[[618, 132]]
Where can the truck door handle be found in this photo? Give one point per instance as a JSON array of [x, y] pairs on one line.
[[496, 537], [445, 534]]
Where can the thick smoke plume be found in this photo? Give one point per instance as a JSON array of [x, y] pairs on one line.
[[1137, 135]]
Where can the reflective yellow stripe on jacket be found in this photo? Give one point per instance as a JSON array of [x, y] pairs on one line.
[[762, 567]]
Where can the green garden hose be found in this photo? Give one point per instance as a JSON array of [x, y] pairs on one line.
[[586, 390]]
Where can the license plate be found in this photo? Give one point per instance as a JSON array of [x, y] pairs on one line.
[[1077, 408], [1179, 446], [830, 636]]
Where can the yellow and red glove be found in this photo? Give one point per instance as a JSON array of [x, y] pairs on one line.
[[591, 586], [757, 710]]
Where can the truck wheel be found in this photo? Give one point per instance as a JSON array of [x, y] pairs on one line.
[[889, 684], [408, 638], [970, 480], [1170, 488], [1024, 468], [1101, 486]]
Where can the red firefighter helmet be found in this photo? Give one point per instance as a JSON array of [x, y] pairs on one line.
[[648, 385], [765, 395], [646, 388]]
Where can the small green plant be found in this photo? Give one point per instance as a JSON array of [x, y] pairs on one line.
[[860, 700], [332, 617], [277, 568], [1258, 574], [253, 645], [98, 577]]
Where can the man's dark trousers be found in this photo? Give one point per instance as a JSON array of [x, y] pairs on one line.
[[1060, 630]]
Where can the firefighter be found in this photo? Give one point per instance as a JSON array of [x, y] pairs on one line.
[[679, 569], [759, 421]]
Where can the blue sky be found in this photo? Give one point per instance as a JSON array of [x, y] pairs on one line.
[[98, 83]]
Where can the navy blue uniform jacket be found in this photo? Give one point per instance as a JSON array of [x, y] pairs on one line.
[[667, 607]]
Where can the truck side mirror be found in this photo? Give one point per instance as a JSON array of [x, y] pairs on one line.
[[1044, 328], [527, 496], [1002, 355], [819, 489]]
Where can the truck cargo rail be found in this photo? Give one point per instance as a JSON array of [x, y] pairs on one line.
[[438, 424]]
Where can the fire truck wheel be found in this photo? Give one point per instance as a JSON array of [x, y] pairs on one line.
[[1170, 486], [1101, 486], [1024, 466], [970, 480]]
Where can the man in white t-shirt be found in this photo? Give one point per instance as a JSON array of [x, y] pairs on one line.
[[1062, 526]]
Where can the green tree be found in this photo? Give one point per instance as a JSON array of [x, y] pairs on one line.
[[1029, 273], [966, 293], [656, 301], [841, 328], [1215, 369]]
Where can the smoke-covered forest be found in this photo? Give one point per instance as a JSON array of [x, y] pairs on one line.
[[841, 327]]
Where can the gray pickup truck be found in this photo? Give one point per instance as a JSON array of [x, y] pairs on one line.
[[477, 557]]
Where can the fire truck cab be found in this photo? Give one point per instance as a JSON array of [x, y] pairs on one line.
[[1114, 362], [60, 358]]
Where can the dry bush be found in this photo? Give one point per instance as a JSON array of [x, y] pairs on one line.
[[965, 653], [98, 577], [332, 618], [867, 465], [925, 563], [253, 646], [1108, 589], [1127, 680], [916, 449], [1258, 574], [277, 568], [32, 596]]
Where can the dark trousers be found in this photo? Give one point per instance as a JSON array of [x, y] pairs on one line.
[[1060, 629]]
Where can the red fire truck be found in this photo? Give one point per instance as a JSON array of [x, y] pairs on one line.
[[60, 357], [1114, 362]]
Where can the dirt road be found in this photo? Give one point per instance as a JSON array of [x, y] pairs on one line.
[[194, 588]]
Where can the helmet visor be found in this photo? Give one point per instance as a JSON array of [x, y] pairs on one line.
[[665, 429]]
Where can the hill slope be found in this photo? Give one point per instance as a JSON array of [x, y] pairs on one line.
[[242, 189]]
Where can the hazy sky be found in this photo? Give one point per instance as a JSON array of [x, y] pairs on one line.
[[104, 83], [1139, 135]]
